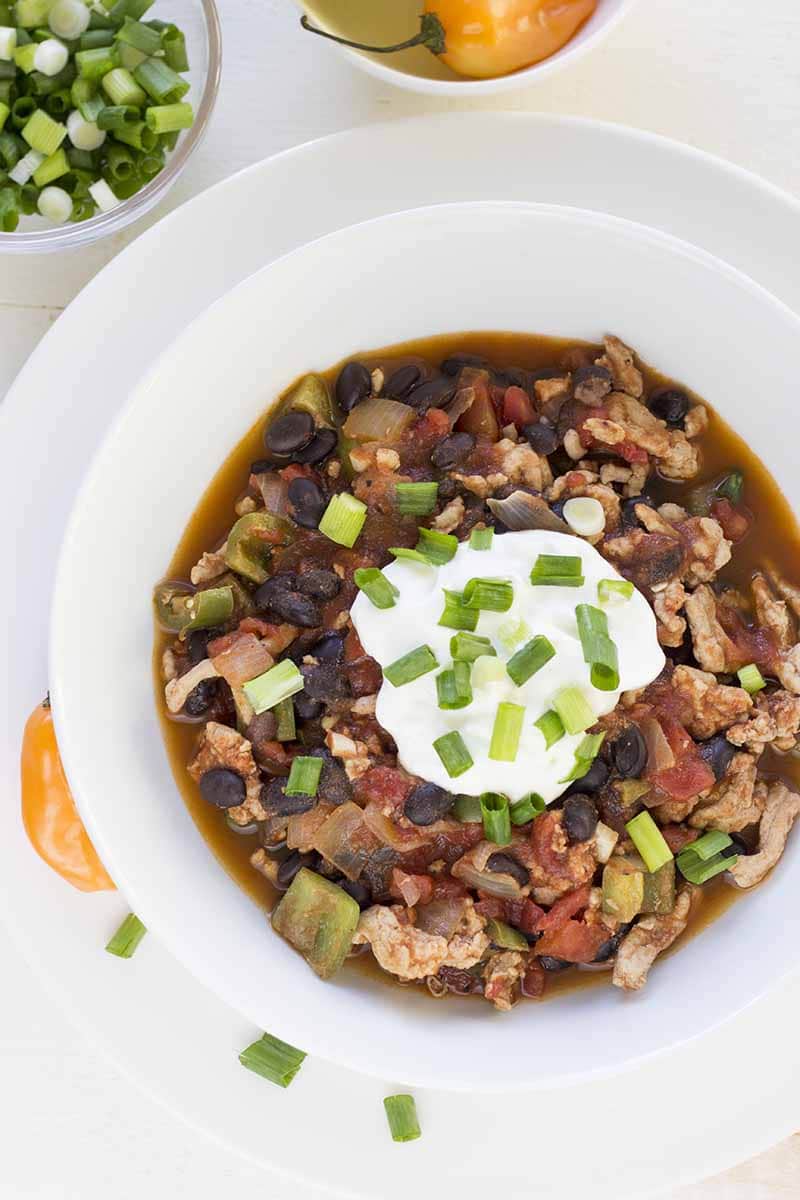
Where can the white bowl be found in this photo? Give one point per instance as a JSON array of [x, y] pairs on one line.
[[420, 71], [457, 267]]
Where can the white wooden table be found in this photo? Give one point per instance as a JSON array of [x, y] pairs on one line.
[[723, 75]]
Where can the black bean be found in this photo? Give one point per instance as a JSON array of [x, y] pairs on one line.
[[739, 846], [200, 698], [278, 804], [452, 450], [580, 818], [427, 804], [293, 607], [629, 753], [455, 363], [448, 490], [594, 779], [325, 682], [459, 981], [329, 648], [290, 432], [307, 501], [717, 752], [542, 438], [263, 595], [554, 964], [609, 949], [261, 465], [433, 393], [293, 863], [557, 506], [353, 385], [222, 787], [320, 585], [197, 645], [334, 787], [513, 377], [307, 708], [591, 383], [358, 890], [548, 373], [629, 517], [318, 449], [505, 864], [670, 405], [263, 727], [401, 381]]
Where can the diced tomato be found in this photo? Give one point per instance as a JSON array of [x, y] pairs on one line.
[[524, 915], [383, 784], [735, 520], [257, 626], [517, 407], [297, 471], [549, 843], [534, 980], [631, 452], [574, 942], [491, 907], [447, 888], [753, 644], [565, 908], [691, 775]]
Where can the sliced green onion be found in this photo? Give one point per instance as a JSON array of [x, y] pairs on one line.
[[127, 8], [52, 168], [456, 615], [732, 486], [466, 647], [751, 678], [278, 683], [416, 499], [512, 632], [403, 552], [140, 36], [410, 666], [481, 539], [599, 650], [496, 814], [273, 1059], [649, 841], [124, 942], [287, 726], [573, 708], [25, 58], [117, 116], [86, 100], [376, 587], [708, 845], [453, 687], [169, 118], [95, 64], [173, 43], [523, 665], [699, 871], [557, 570], [44, 134], [9, 210], [487, 669], [507, 731], [453, 752], [491, 595], [5, 113], [527, 808], [304, 776], [343, 519], [93, 39], [138, 136], [467, 809], [614, 589], [122, 89], [401, 1113], [29, 14], [438, 547], [585, 754], [160, 82]]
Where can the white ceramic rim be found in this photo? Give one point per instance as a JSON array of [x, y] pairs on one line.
[[572, 52], [358, 1056]]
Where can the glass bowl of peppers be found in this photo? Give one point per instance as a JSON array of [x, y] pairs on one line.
[[462, 47], [102, 104]]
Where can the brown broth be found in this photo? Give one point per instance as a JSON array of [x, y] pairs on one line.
[[777, 542]]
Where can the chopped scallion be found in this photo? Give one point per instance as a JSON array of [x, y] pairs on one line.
[[530, 659], [287, 726], [649, 841], [488, 669], [599, 650], [453, 687], [124, 942], [557, 570], [343, 519], [496, 814], [376, 587], [401, 1113], [278, 683], [469, 646], [699, 870], [614, 589], [44, 134], [574, 710], [551, 728], [169, 118], [527, 808], [751, 678], [492, 595], [585, 754], [506, 732], [453, 752], [304, 776], [438, 547], [467, 809], [416, 499], [410, 666], [708, 845], [456, 615], [273, 1059], [481, 539], [512, 632]]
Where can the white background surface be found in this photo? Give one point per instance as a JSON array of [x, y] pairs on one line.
[[721, 74]]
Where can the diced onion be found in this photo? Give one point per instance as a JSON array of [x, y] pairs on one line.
[[55, 204], [51, 57], [69, 19], [245, 659], [84, 135], [496, 884], [275, 492], [103, 196], [378, 420], [520, 510], [585, 516], [440, 917], [659, 752]]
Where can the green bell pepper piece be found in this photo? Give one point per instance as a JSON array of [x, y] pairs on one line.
[[251, 542]]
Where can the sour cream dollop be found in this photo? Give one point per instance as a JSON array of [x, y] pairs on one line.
[[410, 712]]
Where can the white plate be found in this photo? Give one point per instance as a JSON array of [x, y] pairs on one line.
[[149, 1014]]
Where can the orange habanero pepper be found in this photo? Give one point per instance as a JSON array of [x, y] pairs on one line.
[[51, 820]]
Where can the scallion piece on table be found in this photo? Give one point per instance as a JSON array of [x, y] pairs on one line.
[[416, 499], [303, 776], [490, 595], [438, 547], [466, 647], [401, 1113], [410, 666], [574, 710], [161, 83], [376, 587], [169, 118], [649, 841], [453, 752], [557, 570], [585, 754], [287, 726], [467, 809], [551, 728], [496, 814], [343, 519], [526, 809], [481, 539], [523, 665], [140, 36], [751, 678], [609, 590], [453, 686], [278, 683], [273, 1059], [456, 615], [124, 942], [487, 669], [507, 731], [44, 134], [599, 651]]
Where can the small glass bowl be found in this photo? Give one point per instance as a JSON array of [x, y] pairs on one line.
[[199, 21]]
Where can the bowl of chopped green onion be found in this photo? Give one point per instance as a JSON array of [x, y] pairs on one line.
[[102, 103]]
